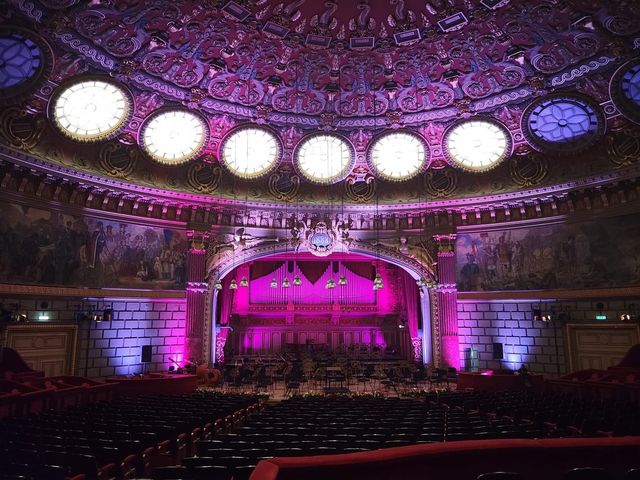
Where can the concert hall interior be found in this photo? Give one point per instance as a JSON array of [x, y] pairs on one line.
[[297, 240]]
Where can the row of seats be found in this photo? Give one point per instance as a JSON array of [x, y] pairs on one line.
[[114, 439]]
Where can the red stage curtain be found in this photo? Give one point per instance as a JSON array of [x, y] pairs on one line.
[[363, 269], [313, 270], [261, 269]]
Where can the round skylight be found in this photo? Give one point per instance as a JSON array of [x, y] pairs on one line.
[[91, 109], [564, 123], [397, 156], [250, 152], [477, 145], [20, 59], [625, 90], [175, 136], [324, 158]]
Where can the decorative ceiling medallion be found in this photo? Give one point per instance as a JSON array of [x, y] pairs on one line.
[[174, 136], [324, 158], [563, 123], [441, 182], [397, 155], [118, 160], [528, 170], [23, 60], [204, 177], [284, 184], [624, 149], [251, 151], [90, 109], [360, 186], [21, 129], [477, 144], [625, 90]]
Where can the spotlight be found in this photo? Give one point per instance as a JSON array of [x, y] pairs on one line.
[[285, 283], [233, 285], [537, 315], [107, 314], [244, 282], [296, 281], [96, 317]]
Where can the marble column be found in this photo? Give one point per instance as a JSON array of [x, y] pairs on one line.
[[447, 301], [196, 296]]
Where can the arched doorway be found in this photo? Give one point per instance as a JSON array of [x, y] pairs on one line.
[[341, 310]]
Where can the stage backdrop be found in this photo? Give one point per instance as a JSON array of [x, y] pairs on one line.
[[50, 248], [600, 253]]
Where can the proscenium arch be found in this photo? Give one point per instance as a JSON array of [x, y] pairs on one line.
[[225, 264]]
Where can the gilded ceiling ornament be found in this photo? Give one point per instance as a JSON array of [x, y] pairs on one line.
[[360, 186], [284, 183], [624, 149], [441, 182], [118, 160], [528, 170], [21, 129], [204, 176]]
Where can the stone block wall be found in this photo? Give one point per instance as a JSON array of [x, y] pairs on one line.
[[114, 347], [538, 345]]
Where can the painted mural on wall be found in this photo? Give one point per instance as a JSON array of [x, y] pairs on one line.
[[578, 255], [50, 248]]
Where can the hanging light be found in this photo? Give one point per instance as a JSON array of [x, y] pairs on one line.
[[377, 282], [285, 283], [274, 283], [296, 281], [342, 281], [218, 285], [233, 285], [244, 282], [330, 283]]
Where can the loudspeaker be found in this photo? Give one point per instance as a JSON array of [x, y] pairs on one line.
[[498, 354], [146, 354]]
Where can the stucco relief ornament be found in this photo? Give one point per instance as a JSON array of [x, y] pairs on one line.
[[321, 240]]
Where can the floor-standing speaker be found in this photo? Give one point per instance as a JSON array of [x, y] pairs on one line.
[[146, 354], [498, 353]]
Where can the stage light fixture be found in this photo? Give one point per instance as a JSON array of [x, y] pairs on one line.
[[477, 145], [296, 281], [274, 283], [218, 285], [251, 152], [244, 282], [91, 110], [233, 285], [286, 283], [107, 314], [342, 281], [330, 284], [175, 136]]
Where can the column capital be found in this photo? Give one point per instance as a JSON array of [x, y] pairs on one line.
[[445, 242], [198, 239]]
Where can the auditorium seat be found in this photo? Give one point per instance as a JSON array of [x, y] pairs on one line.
[[587, 473], [499, 476]]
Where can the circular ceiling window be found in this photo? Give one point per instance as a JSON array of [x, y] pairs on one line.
[[250, 152], [324, 158], [90, 110], [562, 123], [625, 90], [477, 145], [175, 136], [397, 156], [21, 60]]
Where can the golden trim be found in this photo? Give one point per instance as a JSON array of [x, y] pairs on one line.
[[552, 294], [39, 290]]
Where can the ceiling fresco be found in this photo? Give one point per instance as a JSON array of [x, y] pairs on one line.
[[558, 82]]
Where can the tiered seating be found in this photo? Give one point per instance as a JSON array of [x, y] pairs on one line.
[[119, 439]]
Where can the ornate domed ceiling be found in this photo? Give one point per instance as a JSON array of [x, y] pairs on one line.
[[403, 101]]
